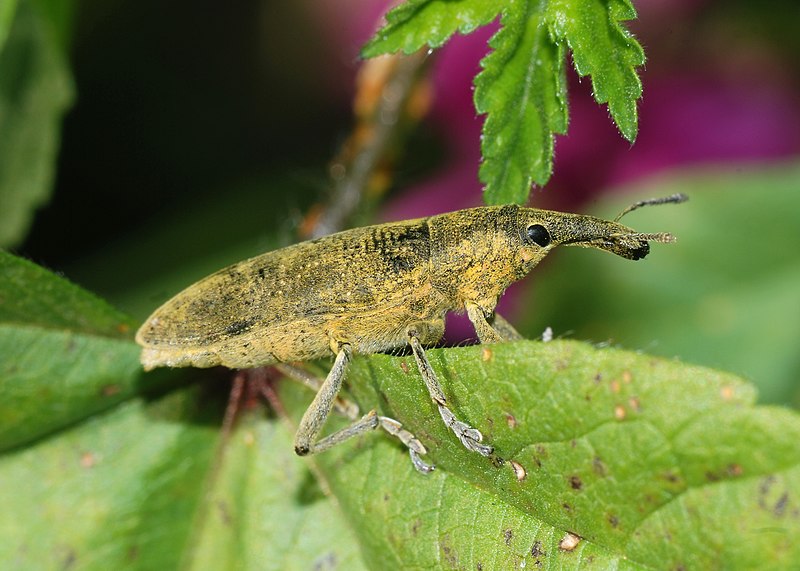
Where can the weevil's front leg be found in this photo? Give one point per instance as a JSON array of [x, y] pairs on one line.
[[470, 437], [477, 315], [326, 398], [489, 325]]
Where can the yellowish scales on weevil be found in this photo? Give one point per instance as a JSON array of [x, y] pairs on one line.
[[368, 290]]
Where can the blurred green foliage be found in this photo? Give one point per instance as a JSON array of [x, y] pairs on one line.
[[726, 295]]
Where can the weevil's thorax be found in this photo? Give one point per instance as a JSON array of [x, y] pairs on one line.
[[476, 253]]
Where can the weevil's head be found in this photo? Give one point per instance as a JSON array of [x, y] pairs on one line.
[[543, 230]]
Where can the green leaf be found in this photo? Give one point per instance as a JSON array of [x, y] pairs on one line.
[[151, 485], [35, 91], [724, 295], [522, 89], [7, 10], [267, 511], [417, 23], [603, 48], [64, 353], [622, 449]]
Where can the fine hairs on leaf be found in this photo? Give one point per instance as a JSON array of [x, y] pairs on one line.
[[522, 85]]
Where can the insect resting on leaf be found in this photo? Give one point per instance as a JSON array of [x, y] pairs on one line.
[[373, 289]]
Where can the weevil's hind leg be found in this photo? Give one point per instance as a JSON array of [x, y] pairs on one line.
[[491, 329], [343, 406], [470, 437], [317, 413]]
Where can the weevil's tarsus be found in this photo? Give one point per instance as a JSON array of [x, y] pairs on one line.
[[415, 447], [470, 437], [671, 199]]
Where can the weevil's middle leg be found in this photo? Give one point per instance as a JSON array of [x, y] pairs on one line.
[[326, 399], [470, 437]]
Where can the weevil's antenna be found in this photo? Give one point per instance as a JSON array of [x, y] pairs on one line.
[[672, 199]]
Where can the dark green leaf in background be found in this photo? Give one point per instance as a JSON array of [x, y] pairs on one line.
[[64, 353], [35, 91], [7, 10]]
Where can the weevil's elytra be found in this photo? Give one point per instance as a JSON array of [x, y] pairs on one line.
[[372, 289]]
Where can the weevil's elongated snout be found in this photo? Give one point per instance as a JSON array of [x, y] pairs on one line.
[[612, 237], [589, 232]]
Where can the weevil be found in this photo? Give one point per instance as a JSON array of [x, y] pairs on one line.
[[373, 289]]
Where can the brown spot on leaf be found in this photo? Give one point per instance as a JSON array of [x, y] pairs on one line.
[[780, 506], [511, 421], [635, 403], [735, 470], [519, 470], [486, 354], [615, 386], [567, 507], [133, 553], [508, 535], [450, 555], [726, 393], [671, 477], [598, 378], [416, 526], [575, 482], [569, 542], [627, 377], [404, 366], [110, 390], [619, 412], [224, 513], [88, 460], [613, 520], [599, 467]]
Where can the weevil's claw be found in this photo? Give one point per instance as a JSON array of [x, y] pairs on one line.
[[419, 464], [470, 437], [415, 447], [474, 443]]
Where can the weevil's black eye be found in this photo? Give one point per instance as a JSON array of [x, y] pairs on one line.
[[538, 234]]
